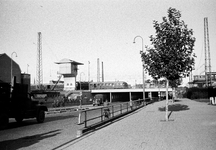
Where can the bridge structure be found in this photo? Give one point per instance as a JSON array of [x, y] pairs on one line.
[[131, 94]]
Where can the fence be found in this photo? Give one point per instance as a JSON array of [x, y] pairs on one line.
[[94, 116]]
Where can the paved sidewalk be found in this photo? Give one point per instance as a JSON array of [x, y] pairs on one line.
[[192, 126]]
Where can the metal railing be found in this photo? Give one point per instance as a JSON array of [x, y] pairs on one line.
[[97, 115]]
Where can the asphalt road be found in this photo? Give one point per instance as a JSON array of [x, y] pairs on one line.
[[57, 129]]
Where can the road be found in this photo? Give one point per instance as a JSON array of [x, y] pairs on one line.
[[56, 130]]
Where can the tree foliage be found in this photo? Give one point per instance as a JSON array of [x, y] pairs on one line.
[[171, 54], [175, 83]]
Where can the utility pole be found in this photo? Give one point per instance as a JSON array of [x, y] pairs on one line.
[[88, 71], [102, 72], [98, 70], [39, 69]]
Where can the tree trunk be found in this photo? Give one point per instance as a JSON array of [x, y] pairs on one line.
[[167, 100], [173, 95]]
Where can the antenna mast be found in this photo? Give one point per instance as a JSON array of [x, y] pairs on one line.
[[207, 54], [102, 72], [98, 70], [39, 71]]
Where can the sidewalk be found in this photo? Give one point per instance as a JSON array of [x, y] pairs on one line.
[[192, 126]]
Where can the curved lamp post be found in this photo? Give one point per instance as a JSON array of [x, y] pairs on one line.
[[88, 71], [12, 66], [143, 66], [27, 68]]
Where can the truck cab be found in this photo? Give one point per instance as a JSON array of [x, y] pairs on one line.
[[16, 102]]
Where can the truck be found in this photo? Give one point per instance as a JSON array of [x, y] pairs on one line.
[[99, 99], [16, 102]]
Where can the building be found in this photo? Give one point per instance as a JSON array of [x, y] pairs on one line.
[[5, 69], [200, 80], [68, 68], [5, 72]]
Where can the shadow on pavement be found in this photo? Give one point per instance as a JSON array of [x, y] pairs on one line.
[[26, 141], [177, 100], [175, 107], [33, 121]]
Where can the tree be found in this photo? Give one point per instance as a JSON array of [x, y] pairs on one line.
[[174, 84], [171, 54]]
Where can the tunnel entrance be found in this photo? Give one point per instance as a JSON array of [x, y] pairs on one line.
[[120, 97]]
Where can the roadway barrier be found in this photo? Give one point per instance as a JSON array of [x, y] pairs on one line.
[[67, 109], [116, 111], [60, 110]]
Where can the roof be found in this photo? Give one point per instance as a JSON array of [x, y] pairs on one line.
[[2, 54], [66, 60]]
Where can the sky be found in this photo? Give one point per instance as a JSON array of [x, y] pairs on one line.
[[85, 30]]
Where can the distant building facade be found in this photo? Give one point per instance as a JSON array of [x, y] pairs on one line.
[[200, 80]]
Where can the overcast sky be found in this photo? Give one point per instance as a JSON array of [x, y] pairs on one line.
[[84, 30]]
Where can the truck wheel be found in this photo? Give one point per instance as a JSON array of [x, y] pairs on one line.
[[40, 116], [19, 119], [4, 120]]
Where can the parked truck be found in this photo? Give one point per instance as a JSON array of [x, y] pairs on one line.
[[16, 102]]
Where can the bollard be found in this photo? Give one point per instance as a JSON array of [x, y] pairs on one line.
[[214, 100], [131, 104], [144, 103], [211, 100], [79, 117], [79, 133]]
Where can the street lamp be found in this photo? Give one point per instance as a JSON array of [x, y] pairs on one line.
[[142, 68], [88, 75], [80, 78], [12, 66], [88, 71], [27, 68]]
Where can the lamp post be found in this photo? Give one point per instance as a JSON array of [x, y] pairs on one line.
[[12, 66], [142, 67], [88, 71], [80, 78], [88, 75], [27, 68]]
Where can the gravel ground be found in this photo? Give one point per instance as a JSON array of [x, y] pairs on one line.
[[191, 126]]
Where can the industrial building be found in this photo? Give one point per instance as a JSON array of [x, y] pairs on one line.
[[9, 70], [6, 66]]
